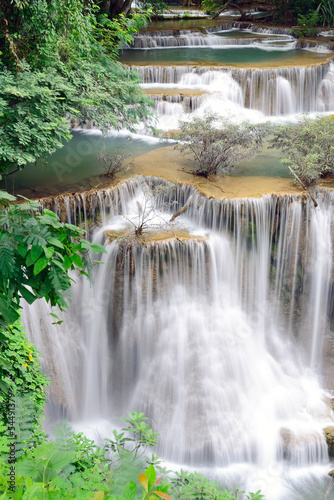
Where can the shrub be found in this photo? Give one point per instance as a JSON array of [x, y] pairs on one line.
[[308, 147], [113, 161], [216, 144]]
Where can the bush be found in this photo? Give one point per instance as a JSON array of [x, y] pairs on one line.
[[113, 160], [157, 7], [216, 144], [308, 147]]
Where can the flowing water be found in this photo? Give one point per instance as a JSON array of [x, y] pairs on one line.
[[220, 337]]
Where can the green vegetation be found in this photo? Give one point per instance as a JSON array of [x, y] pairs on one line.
[[22, 372], [307, 13], [308, 148], [216, 144], [54, 64], [74, 467], [36, 253], [157, 7]]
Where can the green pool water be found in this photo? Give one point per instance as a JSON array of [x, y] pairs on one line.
[[70, 167], [73, 164], [222, 55]]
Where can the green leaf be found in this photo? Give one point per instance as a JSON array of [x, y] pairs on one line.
[[151, 476], [129, 491], [67, 262], [35, 252], [76, 259], [93, 247], [4, 196], [40, 265], [48, 252], [99, 495], [9, 313], [53, 241], [27, 295], [48, 212], [22, 249]]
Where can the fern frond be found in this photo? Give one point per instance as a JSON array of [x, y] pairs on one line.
[[7, 261]]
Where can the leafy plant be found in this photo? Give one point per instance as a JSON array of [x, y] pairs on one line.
[[22, 372], [308, 148], [151, 487], [325, 12], [307, 24], [36, 252], [54, 64], [215, 144], [156, 7]]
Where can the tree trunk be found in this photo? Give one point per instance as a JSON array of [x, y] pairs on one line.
[[303, 186], [231, 4], [119, 7]]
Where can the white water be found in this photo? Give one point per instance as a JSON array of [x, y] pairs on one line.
[[221, 341], [253, 94], [199, 335], [197, 39], [199, 13]]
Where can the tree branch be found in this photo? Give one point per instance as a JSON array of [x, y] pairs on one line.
[[303, 186], [182, 210]]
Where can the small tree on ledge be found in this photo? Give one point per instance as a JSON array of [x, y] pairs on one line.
[[216, 143], [113, 161]]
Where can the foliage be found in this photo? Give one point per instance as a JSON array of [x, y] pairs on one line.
[[308, 13], [192, 485], [118, 31], [113, 161], [54, 64], [26, 382], [157, 7], [151, 487], [307, 24], [33, 106], [74, 467], [36, 253], [325, 12], [217, 143], [308, 147]]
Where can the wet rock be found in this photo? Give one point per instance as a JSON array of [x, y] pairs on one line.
[[329, 436], [287, 439]]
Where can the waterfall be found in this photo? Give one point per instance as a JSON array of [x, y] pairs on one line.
[[164, 104], [271, 91], [217, 338], [197, 39]]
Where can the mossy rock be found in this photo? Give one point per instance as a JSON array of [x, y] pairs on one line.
[[329, 435]]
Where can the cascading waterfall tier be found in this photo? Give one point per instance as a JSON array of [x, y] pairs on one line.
[[218, 340], [197, 39], [272, 91]]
